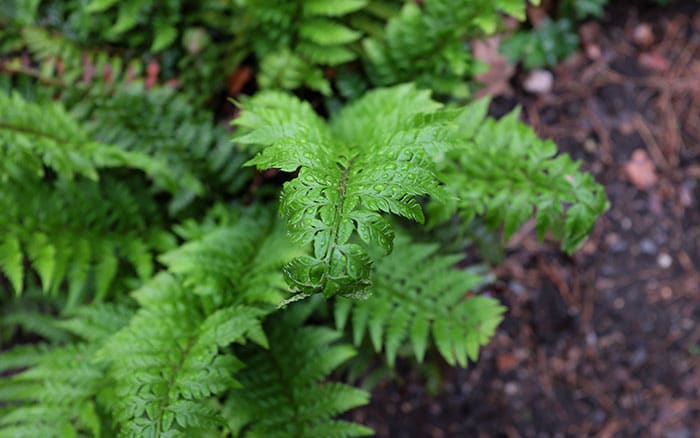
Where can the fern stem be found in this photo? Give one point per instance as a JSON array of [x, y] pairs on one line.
[[33, 73], [31, 131], [338, 215], [171, 380]]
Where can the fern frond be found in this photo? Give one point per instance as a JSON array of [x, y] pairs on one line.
[[173, 131], [61, 144], [53, 398], [55, 393], [286, 70], [57, 212], [169, 361], [376, 155], [174, 356], [508, 174], [283, 393], [251, 274], [417, 292]]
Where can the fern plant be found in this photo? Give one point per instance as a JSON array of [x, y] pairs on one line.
[[147, 281], [382, 152]]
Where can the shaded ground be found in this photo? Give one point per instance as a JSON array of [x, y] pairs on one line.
[[606, 343]]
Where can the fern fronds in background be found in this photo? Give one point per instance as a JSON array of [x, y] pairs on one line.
[[295, 39], [52, 194], [56, 394], [507, 174], [427, 43]]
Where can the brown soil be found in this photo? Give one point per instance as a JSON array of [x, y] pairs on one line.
[[606, 343]]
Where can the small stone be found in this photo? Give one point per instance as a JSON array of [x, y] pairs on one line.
[[640, 170], [511, 388], [618, 303], [647, 246], [590, 146], [664, 260], [539, 82], [666, 293], [643, 35], [626, 223]]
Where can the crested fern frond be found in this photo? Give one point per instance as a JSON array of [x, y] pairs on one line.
[[376, 155], [418, 292], [282, 391], [508, 174]]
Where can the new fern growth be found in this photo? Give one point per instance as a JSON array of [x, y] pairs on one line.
[[370, 158]]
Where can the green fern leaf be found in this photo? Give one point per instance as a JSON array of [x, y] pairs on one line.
[[333, 8], [327, 33], [282, 392], [165, 371], [416, 292], [55, 394], [508, 174], [11, 259], [174, 357]]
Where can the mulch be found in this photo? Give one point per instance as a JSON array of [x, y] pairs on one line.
[[607, 342]]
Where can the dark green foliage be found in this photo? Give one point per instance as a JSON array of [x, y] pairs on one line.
[[426, 43], [56, 395], [582, 9], [545, 45], [58, 213], [294, 39]]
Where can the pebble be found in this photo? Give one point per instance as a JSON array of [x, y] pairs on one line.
[[511, 388], [664, 260], [647, 246], [643, 35], [539, 82]]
